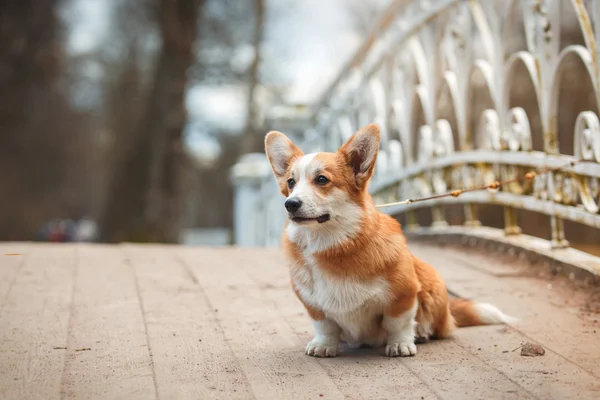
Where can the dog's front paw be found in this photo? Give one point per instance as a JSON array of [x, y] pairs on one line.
[[400, 349], [321, 348]]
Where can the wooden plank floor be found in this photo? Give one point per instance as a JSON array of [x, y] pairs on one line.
[[165, 322]]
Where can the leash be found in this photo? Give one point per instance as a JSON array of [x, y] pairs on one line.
[[492, 186]]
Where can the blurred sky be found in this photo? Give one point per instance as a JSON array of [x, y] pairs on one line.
[[306, 41]]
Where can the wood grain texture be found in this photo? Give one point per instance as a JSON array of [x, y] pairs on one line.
[[550, 313], [107, 353], [267, 348], [191, 356], [12, 258], [33, 321], [184, 323]]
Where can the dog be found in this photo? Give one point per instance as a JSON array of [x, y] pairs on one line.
[[349, 263]]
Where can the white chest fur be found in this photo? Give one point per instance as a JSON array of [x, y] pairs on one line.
[[353, 304]]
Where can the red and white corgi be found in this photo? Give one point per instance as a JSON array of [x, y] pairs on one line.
[[349, 264]]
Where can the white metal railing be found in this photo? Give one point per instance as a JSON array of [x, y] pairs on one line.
[[466, 93]]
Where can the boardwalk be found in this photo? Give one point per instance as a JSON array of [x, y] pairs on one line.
[[144, 322]]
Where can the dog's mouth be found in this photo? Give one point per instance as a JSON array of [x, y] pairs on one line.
[[303, 220]]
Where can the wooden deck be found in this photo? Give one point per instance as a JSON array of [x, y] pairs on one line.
[[145, 322]]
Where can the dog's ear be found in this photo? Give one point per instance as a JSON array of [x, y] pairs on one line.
[[360, 153], [280, 152]]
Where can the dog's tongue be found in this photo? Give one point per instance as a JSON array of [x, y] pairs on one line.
[[323, 218]]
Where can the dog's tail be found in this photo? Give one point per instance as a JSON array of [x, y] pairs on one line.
[[470, 313]]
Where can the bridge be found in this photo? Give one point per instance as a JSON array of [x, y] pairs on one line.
[[468, 93]]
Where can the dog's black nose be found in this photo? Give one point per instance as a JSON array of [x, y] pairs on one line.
[[292, 205]]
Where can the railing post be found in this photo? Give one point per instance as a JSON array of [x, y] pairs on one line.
[[558, 233], [246, 177], [511, 226], [412, 221], [471, 216], [438, 217], [557, 240]]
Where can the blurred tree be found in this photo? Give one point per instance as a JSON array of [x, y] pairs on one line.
[[166, 117], [98, 131], [112, 81], [145, 197], [129, 68], [224, 47], [253, 140], [227, 54], [42, 137]]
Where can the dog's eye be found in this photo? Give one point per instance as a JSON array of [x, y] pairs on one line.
[[291, 183], [321, 180]]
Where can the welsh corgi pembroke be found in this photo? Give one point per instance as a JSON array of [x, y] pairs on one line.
[[349, 264]]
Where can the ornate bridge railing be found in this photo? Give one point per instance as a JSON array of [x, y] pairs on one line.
[[466, 93]]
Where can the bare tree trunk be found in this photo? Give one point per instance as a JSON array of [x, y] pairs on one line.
[[40, 135], [124, 198], [252, 140], [152, 171]]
